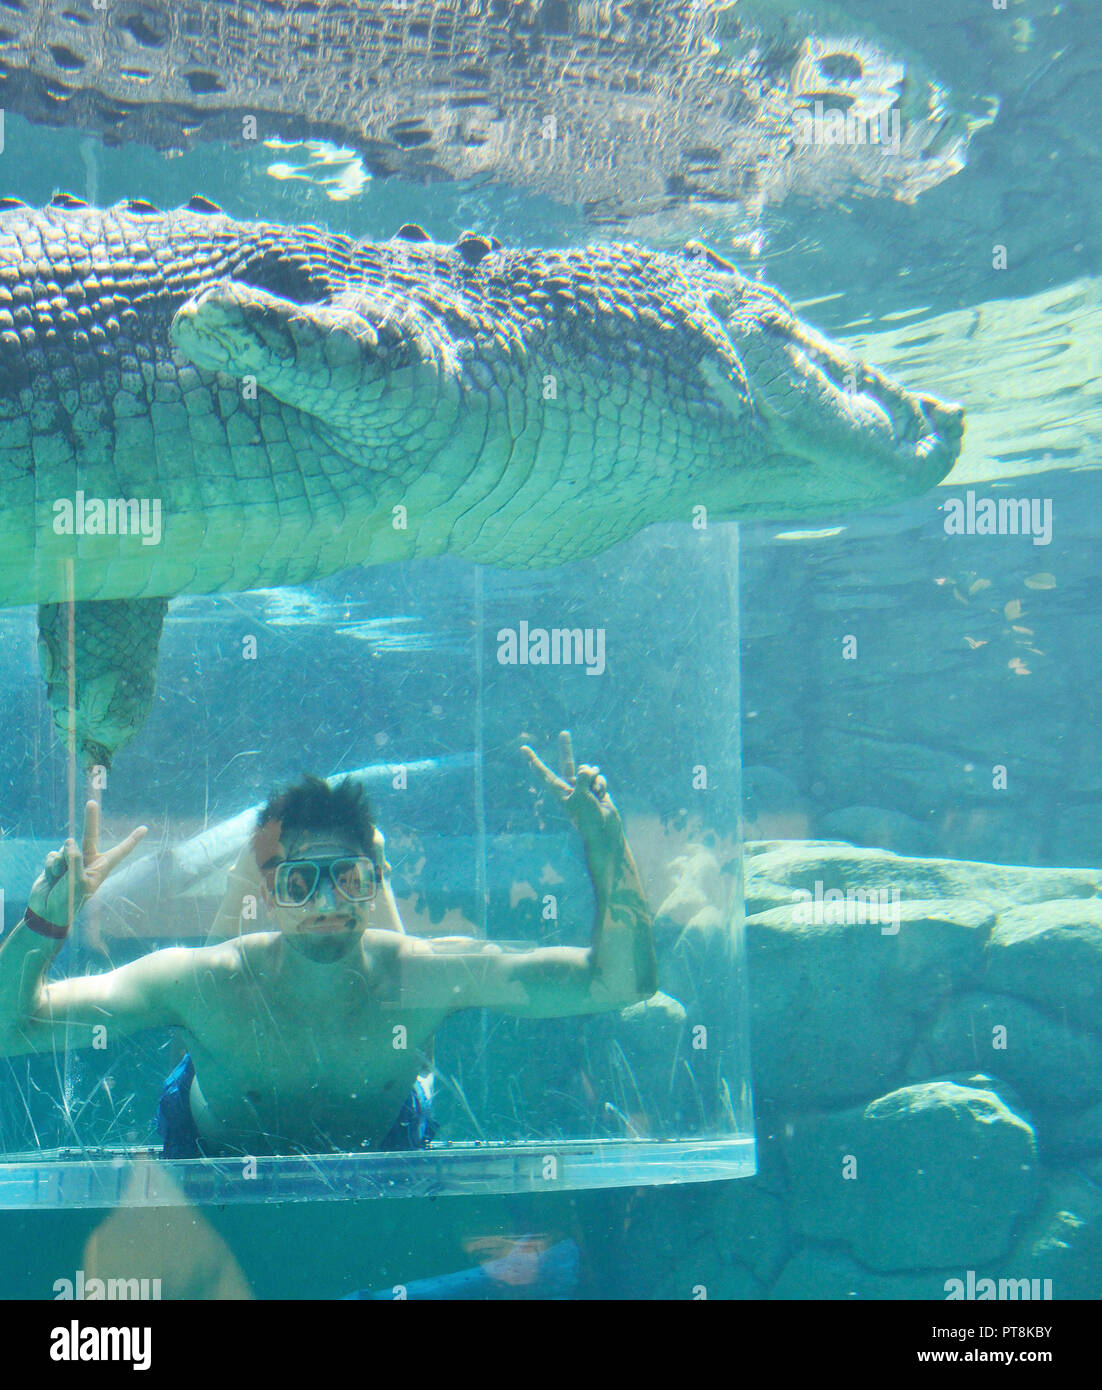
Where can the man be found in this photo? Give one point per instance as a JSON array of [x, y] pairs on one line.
[[310, 1037]]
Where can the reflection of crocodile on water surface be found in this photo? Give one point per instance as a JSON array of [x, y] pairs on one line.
[[284, 394], [637, 111]]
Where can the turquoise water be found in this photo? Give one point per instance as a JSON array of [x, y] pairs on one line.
[[868, 708]]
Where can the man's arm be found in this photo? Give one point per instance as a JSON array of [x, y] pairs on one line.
[[38, 1017], [619, 967], [616, 970], [35, 1016]]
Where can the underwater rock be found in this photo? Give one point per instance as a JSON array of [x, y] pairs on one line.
[[765, 897], [699, 887], [1075, 1136], [1062, 1243], [1055, 1066], [753, 849], [833, 1005], [660, 1017], [1063, 1240], [938, 949], [814, 1272], [682, 1222], [766, 789], [632, 1052], [919, 1066], [750, 1227], [772, 803], [536, 1082], [698, 970], [708, 1277], [633, 1062], [1051, 954], [692, 940], [980, 1081], [666, 1248], [1075, 828], [609, 1075], [929, 1175], [878, 827], [760, 893], [801, 864]]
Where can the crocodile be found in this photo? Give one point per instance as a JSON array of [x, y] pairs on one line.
[[195, 404]]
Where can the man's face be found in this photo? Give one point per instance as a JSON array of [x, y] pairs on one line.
[[327, 925]]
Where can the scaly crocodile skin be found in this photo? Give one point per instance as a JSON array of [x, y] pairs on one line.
[[295, 402]]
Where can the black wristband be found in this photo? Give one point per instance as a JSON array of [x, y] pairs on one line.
[[43, 928]]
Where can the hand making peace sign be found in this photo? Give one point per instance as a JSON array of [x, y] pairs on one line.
[[72, 875], [584, 794]]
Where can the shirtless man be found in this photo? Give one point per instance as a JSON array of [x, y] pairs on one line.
[[295, 1035]]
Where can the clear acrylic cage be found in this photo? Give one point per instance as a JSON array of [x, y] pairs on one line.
[[400, 675]]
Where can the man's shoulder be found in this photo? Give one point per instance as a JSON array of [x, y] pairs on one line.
[[220, 956], [447, 945]]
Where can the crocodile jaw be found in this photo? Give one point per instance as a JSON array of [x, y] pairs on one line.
[[838, 432]]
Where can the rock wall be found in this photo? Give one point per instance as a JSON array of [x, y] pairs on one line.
[[928, 1088], [968, 654]]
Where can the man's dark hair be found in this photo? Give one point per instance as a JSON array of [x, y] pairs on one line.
[[313, 804]]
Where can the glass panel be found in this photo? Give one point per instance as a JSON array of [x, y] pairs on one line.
[[423, 681]]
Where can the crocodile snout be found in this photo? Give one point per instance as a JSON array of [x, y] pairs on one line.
[[947, 420]]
